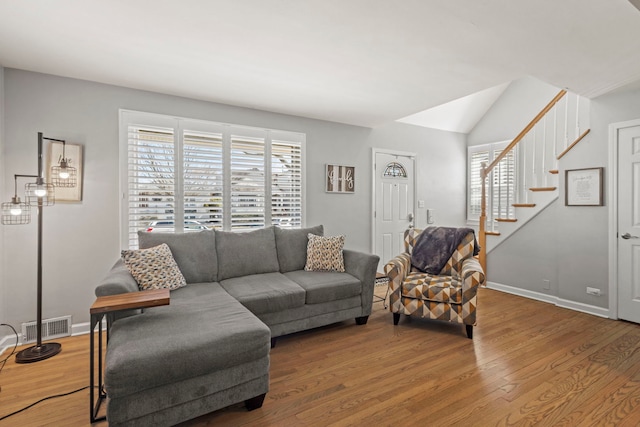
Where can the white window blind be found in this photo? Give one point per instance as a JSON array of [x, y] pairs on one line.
[[286, 184], [247, 182], [210, 175], [503, 186], [203, 178], [476, 159], [501, 183], [150, 178]]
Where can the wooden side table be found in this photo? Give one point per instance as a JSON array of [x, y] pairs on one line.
[[109, 304]]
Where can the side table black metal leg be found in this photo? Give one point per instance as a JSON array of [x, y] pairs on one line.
[[95, 405], [91, 367], [381, 280], [386, 295]]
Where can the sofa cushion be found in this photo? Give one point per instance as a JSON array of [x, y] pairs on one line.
[[242, 254], [325, 253], [265, 293], [154, 268], [202, 330], [195, 253], [292, 246], [324, 286]]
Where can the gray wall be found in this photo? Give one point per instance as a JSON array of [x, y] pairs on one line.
[[567, 245], [81, 239], [521, 101]]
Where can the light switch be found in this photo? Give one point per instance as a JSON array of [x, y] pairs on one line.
[[421, 203], [430, 216]]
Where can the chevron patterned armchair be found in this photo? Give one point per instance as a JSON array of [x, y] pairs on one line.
[[450, 295]]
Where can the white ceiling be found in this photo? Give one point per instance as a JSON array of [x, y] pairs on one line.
[[362, 62]]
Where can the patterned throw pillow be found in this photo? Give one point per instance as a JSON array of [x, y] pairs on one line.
[[154, 268], [324, 253]]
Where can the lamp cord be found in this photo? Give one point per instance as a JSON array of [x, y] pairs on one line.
[[4, 362], [42, 400]]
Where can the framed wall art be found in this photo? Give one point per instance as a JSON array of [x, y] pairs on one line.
[[340, 179], [584, 187]]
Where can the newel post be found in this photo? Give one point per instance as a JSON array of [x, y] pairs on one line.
[[482, 236]]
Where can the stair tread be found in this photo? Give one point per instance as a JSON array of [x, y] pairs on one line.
[[554, 171], [492, 233], [543, 189], [524, 205], [506, 219]]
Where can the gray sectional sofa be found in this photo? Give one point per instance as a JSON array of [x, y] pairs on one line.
[[210, 347]]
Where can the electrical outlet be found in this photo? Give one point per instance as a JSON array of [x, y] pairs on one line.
[[546, 284], [593, 291]]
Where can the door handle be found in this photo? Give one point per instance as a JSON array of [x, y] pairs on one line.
[[410, 218], [628, 236]]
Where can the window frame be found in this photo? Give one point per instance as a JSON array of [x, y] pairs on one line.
[[180, 125]]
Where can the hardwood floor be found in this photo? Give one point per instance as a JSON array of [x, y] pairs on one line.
[[530, 363]]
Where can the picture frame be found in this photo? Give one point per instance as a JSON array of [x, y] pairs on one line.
[[584, 187], [340, 179], [73, 153]]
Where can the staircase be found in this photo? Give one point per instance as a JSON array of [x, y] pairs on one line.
[[524, 178]]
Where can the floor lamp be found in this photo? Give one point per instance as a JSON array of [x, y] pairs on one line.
[[16, 212]]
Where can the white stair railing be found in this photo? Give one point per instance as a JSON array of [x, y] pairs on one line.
[[548, 137]]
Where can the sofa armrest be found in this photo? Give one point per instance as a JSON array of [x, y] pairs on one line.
[[363, 267], [118, 281], [397, 270]]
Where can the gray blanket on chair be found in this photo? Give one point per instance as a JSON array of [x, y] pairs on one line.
[[435, 245]]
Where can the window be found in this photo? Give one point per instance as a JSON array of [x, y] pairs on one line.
[[501, 182], [395, 170], [210, 175]]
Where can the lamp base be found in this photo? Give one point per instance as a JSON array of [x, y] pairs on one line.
[[35, 353]]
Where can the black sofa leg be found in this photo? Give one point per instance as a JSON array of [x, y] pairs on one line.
[[469, 331], [254, 402], [273, 342], [362, 320], [396, 318]]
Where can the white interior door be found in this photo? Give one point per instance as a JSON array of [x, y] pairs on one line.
[[394, 203], [629, 223]]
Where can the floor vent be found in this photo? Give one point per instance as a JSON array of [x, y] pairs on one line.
[[51, 328]]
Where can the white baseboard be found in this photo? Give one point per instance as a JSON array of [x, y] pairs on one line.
[[8, 341], [82, 328], [551, 299]]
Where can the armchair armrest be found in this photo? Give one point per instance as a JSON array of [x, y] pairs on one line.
[[472, 274], [397, 270]]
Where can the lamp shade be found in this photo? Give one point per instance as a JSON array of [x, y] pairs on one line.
[[40, 190], [63, 175], [16, 212]]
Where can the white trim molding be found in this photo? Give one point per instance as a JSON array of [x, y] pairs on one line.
[[558, 302], [375, 151], [8, 341], [612, 194]]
